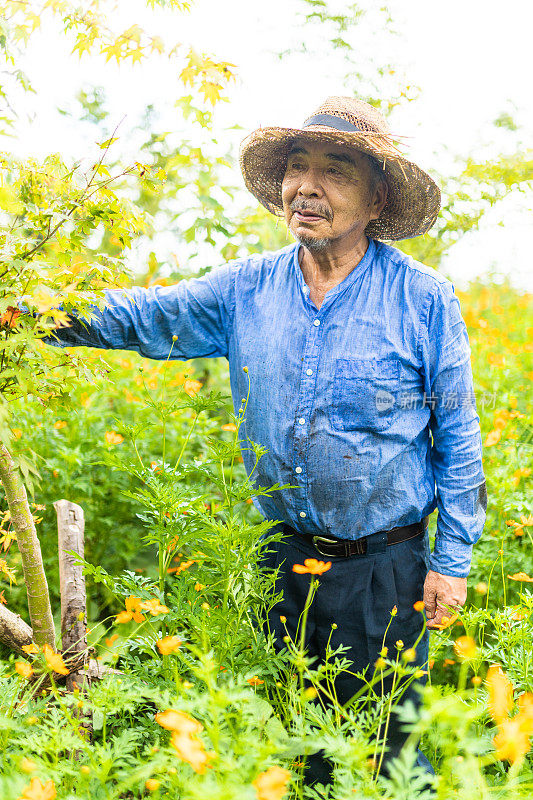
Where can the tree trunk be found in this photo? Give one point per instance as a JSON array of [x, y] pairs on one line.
[[70, 530], [14, 632], [32, 563]]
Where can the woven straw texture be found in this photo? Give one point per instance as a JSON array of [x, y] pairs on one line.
[[414, 198]]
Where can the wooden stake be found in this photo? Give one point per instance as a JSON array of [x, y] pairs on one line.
[[70, 531]]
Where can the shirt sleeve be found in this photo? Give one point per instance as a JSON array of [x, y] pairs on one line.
[[456, 451], [198, 311]]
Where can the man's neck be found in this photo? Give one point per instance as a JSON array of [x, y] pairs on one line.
[[324, 270]]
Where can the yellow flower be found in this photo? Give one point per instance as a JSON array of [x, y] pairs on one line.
[[111, 437], [39, 791], [23, 669], [521, 576], [500, 693], [198, 587], [27, 765], [132, 612], [255, 681], [168, 644], [312, 567], [192, 387], [230, 426], [54, 660], [110, 640], [272, 784], [465, 648], [60, 424], [152, 785], [154, 607]]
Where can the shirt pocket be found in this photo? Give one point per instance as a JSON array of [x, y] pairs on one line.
[[365, 394]]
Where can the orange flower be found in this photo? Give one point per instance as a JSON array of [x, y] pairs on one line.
[[154, 607], [465, 648], [30, 649], [272, 784], [60, 424], [152, 785], [184, 739], [181, 567], [191, 750], [312, 567], [230, 426], [419, 605], [192, 387], [54, 661], [199, 586], [500, 693], [446, 622], [111, 639], [255, 681], [178, 721], [132, 612], [17, 433], [23, 669], [39, 791], [168, 644], [113, 438], [523, 472], [521, 576], [493, 437], [512, 741]]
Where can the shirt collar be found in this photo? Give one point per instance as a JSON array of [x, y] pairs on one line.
[[344, 284]]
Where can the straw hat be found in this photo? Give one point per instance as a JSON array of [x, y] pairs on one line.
[[414, 198]]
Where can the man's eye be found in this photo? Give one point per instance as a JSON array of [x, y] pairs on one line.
[[296, 165], [334, 171]]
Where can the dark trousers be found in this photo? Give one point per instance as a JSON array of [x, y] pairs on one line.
[[358, 594]]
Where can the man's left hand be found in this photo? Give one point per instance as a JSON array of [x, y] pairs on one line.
[[440, 593]]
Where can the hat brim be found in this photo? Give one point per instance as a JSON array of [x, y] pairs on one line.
[[413, 201]]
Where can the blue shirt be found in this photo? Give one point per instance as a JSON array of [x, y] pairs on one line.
[[365, 405]]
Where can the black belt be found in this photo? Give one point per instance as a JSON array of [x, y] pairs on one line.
[[358, 547]]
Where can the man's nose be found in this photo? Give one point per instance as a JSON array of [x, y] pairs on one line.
[[310, 185]]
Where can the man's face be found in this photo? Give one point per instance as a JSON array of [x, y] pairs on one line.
[[328, 194]]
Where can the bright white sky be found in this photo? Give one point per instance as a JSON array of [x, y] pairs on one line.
[[471, 59]]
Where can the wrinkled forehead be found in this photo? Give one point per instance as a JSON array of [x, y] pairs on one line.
[[335, 152]]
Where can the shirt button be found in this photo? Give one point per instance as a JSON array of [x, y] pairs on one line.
[[301, 421], [308, 371], [316, 323], [298, 470], [303, 514]]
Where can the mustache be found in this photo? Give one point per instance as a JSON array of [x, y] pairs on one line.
[[305, 205]]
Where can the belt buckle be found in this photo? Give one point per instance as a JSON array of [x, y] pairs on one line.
[[317, 539]]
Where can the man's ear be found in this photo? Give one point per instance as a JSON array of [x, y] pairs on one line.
[[379, 200]]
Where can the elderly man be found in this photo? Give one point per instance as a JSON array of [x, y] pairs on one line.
[[361, 384]]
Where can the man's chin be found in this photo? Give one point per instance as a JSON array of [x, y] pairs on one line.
[[312, 243]]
